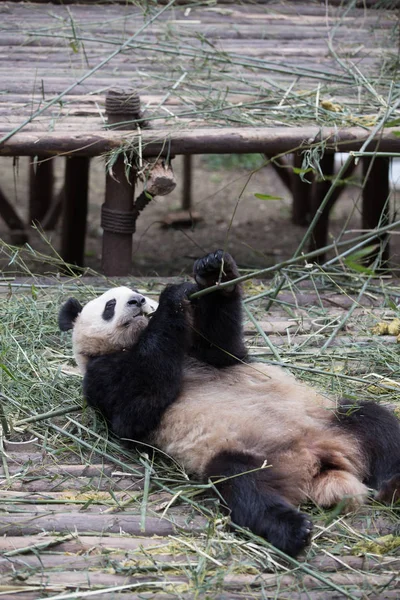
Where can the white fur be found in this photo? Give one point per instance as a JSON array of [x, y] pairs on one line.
[[251, 408], [92, 335]]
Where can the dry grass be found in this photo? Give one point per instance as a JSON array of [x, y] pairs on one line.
[[349, 556], [332, 349]]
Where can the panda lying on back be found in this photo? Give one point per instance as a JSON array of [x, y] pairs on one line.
[[181, 381]]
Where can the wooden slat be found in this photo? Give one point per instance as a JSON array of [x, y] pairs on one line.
[[40, 57], [193, 141]]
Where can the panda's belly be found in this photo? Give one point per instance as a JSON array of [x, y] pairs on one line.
[[252, 407]]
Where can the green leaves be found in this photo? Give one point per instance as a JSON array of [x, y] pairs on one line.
[[392, 123], [355, 260], [7, 370], [267, 197], [299, 171]]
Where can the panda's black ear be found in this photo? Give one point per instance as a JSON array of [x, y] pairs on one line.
[[68, 313]]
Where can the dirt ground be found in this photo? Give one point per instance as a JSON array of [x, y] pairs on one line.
[[261, 232]]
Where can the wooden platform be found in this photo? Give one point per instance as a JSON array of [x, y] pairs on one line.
[[299, 65], [80, 517], [270, 77]]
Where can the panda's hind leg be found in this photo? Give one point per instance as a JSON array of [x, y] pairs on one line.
[[378, 432], [255, 501]]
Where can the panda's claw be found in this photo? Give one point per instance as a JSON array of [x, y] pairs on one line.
[[218, 266], [177, 294], [287, 529]]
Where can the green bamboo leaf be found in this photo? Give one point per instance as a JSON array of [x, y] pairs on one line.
[[267, 197], [299, 171], [7, 370], [74, 46], [358, 267], [362, 253], [392, 304]]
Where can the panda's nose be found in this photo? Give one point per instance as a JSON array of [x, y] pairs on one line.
[[137, 300]]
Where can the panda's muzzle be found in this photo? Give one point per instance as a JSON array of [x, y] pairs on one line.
[[138, 305], [137, 300]]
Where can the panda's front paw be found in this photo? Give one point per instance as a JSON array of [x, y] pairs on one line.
[[177, 295], [216, 267]]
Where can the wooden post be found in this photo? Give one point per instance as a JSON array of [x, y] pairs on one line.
[[301, 195], [282, 168], [187, 182], [41, 179], [118, 221], [117, 213], [13, 221], [375, 209], [75, 209], [319, 190]]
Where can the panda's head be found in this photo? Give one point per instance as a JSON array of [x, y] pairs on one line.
[[109, 323]]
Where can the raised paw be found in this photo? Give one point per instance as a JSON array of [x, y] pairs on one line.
[[389, 492], [178, 294], [216, 267]]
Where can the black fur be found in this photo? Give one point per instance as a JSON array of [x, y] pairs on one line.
[[252, 496], [218, 333], [133, 388], [109, 310], [68, 313], [379, 432]]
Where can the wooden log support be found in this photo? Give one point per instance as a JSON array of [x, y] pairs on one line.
[[159, 178], [319, 189], [54, 213], [282, 168], [187, 183], [195, 140], [117, 213], [75, 209], [41, 180], [301, 194], [376, 209], [118, 220], [13, 221]]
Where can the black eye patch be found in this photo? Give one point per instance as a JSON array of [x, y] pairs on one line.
[[109, 310]]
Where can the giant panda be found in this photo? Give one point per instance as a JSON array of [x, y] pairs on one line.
[[181, 380]]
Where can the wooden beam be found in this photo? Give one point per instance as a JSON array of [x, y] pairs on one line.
[[376, 190], [301, 194], [283, 169], [187, 182], [271, 141], [319, 190], [41, 179], [75, 210], [13, 221]]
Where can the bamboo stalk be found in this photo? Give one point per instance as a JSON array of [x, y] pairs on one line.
[[362, 240]]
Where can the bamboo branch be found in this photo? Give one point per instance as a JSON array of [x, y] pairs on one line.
[[362, 240]]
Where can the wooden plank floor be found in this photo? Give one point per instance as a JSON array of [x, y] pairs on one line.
[[74, 524], [268, 65]]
